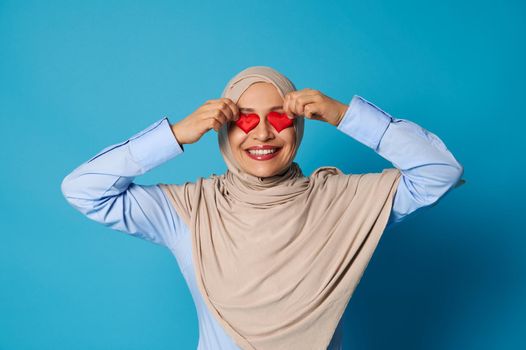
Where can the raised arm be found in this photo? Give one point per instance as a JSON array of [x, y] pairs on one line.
[[429, 170], [102, 188]]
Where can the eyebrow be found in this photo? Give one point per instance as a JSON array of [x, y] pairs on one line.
[[252, 109]]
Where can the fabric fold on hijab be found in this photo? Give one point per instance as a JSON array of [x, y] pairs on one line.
[[277, 259]]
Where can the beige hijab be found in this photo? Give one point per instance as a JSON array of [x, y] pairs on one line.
[[277, 259]]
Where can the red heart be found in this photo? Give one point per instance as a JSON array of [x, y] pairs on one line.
[[247, 122], [280, 121]]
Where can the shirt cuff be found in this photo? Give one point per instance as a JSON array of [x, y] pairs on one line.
[[365, 122], [154, 145]]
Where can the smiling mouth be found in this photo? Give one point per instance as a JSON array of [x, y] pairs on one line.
[[263, 154]]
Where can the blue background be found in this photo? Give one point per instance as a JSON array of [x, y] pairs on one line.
[[76, 77]]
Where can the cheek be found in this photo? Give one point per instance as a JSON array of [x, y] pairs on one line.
[[235, 136], [289, 136]]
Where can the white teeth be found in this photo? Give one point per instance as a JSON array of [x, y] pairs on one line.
[[262, 152]]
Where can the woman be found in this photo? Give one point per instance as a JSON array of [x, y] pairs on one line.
[[271, 256]]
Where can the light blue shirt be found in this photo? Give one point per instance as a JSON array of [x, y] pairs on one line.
[[102, 189]]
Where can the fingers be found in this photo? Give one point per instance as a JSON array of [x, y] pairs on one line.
[[220, 118], [287, 102], [234, 108], [220, 111], [305, 102], [307, 105], [226, 105], [215, 124]]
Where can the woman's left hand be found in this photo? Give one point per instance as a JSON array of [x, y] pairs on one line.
[[314, 105]]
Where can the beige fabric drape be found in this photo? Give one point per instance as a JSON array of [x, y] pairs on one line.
[[277, 259]]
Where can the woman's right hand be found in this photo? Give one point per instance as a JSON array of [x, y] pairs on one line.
[[211, 115]]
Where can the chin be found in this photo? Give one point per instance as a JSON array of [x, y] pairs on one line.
[[262, 173], [265, 172]]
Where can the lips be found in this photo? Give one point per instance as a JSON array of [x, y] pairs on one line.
[[263, 156], [279, 121]]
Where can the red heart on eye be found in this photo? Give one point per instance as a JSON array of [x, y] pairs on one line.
[[280, 121], [247, 122]]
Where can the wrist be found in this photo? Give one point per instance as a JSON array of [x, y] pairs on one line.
[[342, 109], [175, 132]]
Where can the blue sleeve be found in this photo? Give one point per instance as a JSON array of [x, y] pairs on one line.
[[102, 188], [429, 170]]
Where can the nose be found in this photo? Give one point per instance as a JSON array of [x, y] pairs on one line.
[[264, 130]]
